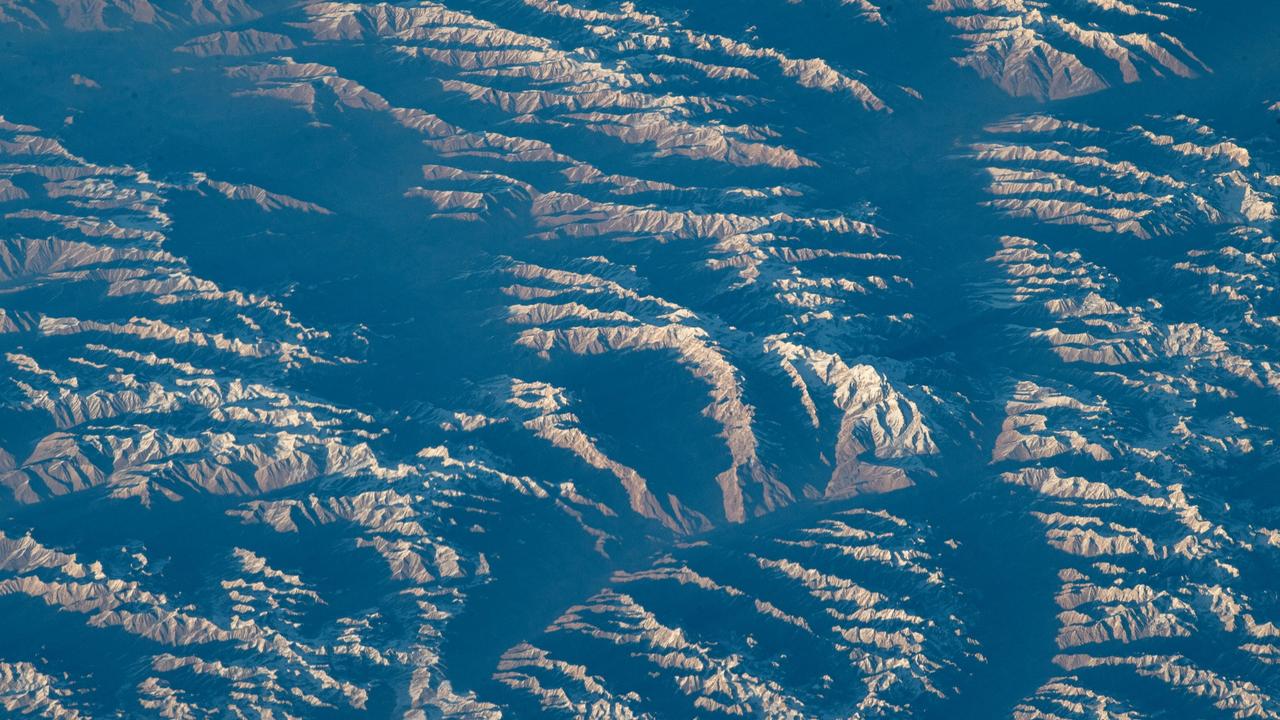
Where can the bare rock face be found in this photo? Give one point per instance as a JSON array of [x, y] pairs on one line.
[[24, 690], [849, 578], [1124, 475], [598, 359], [118, 15], [1047, 50]]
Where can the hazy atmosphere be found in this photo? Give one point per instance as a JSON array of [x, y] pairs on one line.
[[863, 359]]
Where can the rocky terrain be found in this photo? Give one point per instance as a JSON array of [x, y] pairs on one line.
[[801, 359]]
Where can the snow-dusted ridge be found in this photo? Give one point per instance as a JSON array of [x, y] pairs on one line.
[[629, 359]]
